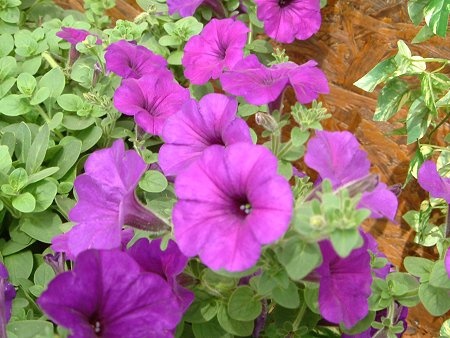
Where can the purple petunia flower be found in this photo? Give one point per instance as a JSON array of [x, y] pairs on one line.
[[337, 157], [75, 35], [7, 294], [286, 20], [106, 202], [129, 60], [345, 284], [196, 127], [230, 202], [219, 46], [151, 100], [168, 264], [259, 84], [430, 180], [108, 295], [188, 7]]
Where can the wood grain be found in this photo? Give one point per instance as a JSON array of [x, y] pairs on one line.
[[355, 35]]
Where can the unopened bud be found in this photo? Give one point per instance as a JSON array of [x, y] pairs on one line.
[[266, 121]]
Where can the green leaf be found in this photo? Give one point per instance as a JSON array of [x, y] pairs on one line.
[[37, 151], [5, 159], [10, 15], [41, 226], [32, 65], [70, 102], [415, 10], [436, 300], [404, 288], [209, 329], [89, 137], [235, 327], [436, 16], [203, 309], [8, 67], [429, 96], [19, 266], [24, 202], [380, 73], [175, 58], [18, 179], [439, 276], [299, 257], [424, 34], [40, 175], [417, 120], [391, 99], [6, 85], [40, 96], [287, 297], [26, 83], [445, 329], [31, 328], [153, 181], [243, 304], [43, 274], [6, 44], [66, 156], [168, 40], [74, 122], [344, 241], [44, 192], [419, 267], [55, 81], [14, 105]]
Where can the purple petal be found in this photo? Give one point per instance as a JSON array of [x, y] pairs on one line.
[[337, 156], [189, 132], [345, 285], [220, 45], [430, 180], [75, 35], [129, 60], [183, 7], [381, 202], [255, 82], [447, 262]]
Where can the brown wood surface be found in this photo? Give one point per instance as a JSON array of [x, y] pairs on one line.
[[355, 36]]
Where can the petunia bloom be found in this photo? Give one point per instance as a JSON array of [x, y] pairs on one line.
[[188, 7], [231, 201], [259, 84], [151, 100], [75, 35], [447, 262], [337, 157], [197, 126], [219, 46], [108, 295], [168, 264], [345, 284], [106, 202], [7, 294], [129, 60], [430, 180], [286, 20]]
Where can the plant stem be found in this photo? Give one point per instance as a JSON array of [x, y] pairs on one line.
[[48, 120], [445, 119], [299, 317]]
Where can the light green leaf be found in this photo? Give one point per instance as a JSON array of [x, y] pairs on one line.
[[153, 181], [55, 81], [287, 297], [40, 96], [436, 300], [8, 67], [380, 73], [6, 44], [26, 83], [37, 151], [235, 327], [5, 159], [415, 10], [391, 99], [70, 102], [244, 305], [14, 105], [24, 202], [31, 328], [19, 266], [43, 274], [44, 192], [41, 226], [175, 58], [66, 156], [417, 120]]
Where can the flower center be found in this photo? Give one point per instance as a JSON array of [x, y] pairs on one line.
[[97, 326], [245, 208], [284, 3]]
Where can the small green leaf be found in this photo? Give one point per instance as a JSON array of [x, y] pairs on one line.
[[70, 102], [380, 73], [175, 58], [439, 276], [203, 309], [37, 151], [41, 226], [391, 99], [243, 304], [26, 83], [66, 156], [436, 300], [19, 265], [44, 192], [55, 81], [415, 10], [14, 105], [31, 328], [287, 297], [417, 120], [445, 329], [209, 329], [419, 267], [5, 159], [43, 274], [6, 44], [18, 179], [40, 175], [153, 181], [40, 96], [24, 202], [74, 122], [235, 327], [89, 137]]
